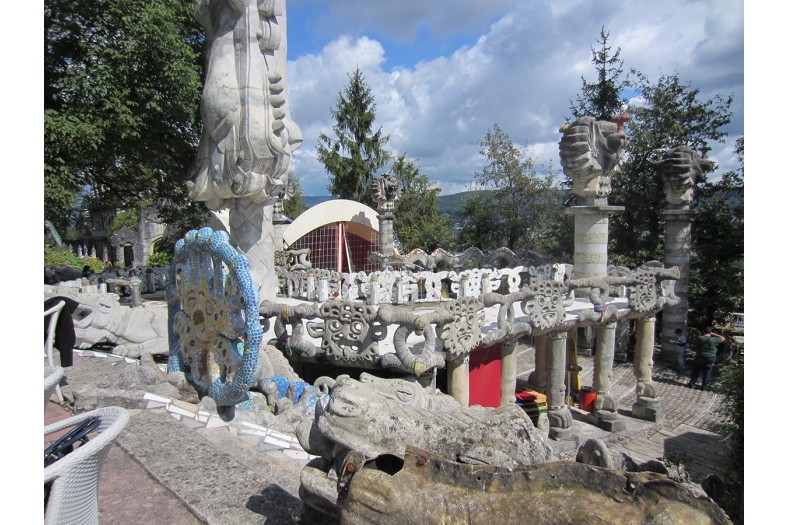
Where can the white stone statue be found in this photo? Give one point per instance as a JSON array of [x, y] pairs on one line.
[[244, 157]]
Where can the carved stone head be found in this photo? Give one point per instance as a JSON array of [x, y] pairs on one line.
[[681, 169], [590, 152]]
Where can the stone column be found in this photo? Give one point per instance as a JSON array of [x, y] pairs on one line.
[[679, 169], [605, 406], [457, 372], [508, 372], [386, 233], [558, 414], [649, 403], [538, 378], [252, 232], [678, 245], [280, 225]]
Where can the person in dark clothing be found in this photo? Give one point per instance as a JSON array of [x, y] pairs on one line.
[[65, 337], [705, 357]]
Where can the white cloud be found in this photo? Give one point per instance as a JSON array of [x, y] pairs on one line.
[[521, 72]]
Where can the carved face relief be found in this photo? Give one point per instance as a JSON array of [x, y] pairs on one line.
[[643, 296], [547, 308], [348, 331], [463, 333]]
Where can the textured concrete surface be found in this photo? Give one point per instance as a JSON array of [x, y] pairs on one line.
[[161, 471]]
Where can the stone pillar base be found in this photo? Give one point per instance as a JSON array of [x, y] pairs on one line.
[[648, 409], [563, 434], [608, 421]]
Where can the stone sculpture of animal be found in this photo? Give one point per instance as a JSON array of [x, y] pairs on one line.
[[432, 490], [100, 318]]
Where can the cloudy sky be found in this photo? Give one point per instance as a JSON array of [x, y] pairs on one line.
[[444, 71]]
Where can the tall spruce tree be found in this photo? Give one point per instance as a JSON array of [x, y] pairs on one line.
[[602, 99], [357, 152], [417, 222]]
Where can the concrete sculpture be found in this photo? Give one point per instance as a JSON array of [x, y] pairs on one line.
[[590, 152], [214, 324], [681, 169], [430, 489], [370, 422], [244, 157], [100, 318]]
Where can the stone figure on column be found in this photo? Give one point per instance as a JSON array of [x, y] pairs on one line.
[[590, 152], [244, 157], [386, 191], [681, 169]]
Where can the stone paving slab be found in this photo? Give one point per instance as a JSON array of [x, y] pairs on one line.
[[212, 483]]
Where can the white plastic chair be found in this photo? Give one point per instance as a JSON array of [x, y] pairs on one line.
[[50, 340], [73, 498], [52, 377]]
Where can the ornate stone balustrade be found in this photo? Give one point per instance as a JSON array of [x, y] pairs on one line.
[[416, 329], [407, 286]]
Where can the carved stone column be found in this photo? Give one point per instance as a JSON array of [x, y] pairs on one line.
[[508, 372], [386, 191], [605, 406], [678, 245], [590, 155], [649, 403], [458, 372], [538, 378], [243, 159], [680, 169], [558, 414], [280, 225]]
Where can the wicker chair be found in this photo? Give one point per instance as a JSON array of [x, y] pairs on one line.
[[50, 341], [73, 498], [52, 377]]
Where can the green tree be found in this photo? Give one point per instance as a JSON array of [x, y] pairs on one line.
[[357, 153], [732, 427], [294, 204], [122, 82], [717, 264], [417, 222], [521, 209], [602, 100], [672, 114]]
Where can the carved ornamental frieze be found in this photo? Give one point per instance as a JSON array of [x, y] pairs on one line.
[[463, 333], [349, 331], [546, 309]]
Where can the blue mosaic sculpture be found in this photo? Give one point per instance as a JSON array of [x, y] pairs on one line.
[[213, 317]]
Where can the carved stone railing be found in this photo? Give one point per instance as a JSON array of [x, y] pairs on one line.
[[403, 286], [470, 258], [420, 337]]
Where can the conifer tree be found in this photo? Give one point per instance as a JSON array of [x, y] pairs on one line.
[[357, 152], [602, 100]]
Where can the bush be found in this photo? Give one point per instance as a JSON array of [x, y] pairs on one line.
[[61, 256], [732, 387], [159, 259]]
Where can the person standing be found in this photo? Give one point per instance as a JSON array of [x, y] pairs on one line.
[[705, 357]]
